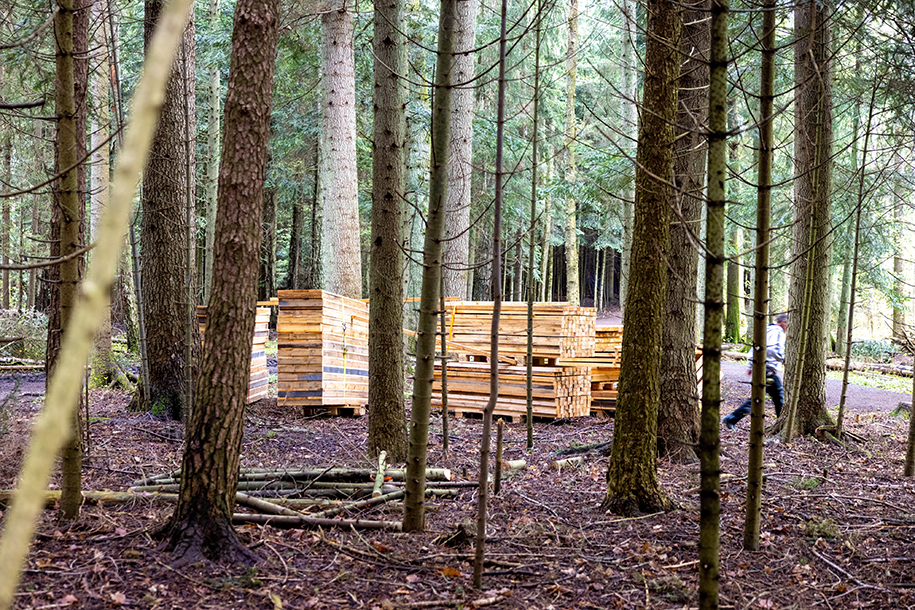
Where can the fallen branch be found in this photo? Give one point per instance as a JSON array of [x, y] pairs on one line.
[[577, 449], [284, 521], [379, 475]]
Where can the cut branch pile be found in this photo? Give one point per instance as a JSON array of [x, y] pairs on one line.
[[299, 498]]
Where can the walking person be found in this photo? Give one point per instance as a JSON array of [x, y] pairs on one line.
[[775, 356]]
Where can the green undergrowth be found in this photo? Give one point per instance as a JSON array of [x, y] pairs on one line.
[[894, 383]]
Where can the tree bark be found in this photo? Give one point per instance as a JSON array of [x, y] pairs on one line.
[[163, 236], [212, 160], [709, 441], [71, 26], [761, 288], [387, 415], [339, 181], [630, 129], [632, 478], [266, 285], [457, 228], [678, 417], [101, 357], [813, 177], [573, 289], [201, 524], [414, 505]]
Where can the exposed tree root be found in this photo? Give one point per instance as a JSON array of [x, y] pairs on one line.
[[637, 505], [192, 541]]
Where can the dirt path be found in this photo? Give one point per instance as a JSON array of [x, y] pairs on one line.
[[859, 398]]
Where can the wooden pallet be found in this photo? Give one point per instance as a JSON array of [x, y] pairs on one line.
[[322, 351], [258, 381], [556, 391]]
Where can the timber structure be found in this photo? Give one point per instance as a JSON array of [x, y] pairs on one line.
[[322, 352], [259, 377]]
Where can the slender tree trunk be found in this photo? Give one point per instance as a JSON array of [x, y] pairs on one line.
[[6, 153], [483, 489], [573, 290], [761, 289], [71, 26], [630, 131], [101, 357], [201, 525], [212, 160], [900, 289], [732, 315], [678, 417], [414, 502], [457, 228], [632, 477], [387, 417], [709, 500], [546, 293], [341, 252]]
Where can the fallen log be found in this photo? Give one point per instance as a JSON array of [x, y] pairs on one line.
[[871, 367]]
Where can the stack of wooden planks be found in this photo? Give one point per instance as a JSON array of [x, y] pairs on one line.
[[605, 368], [560, 330], [557, 391], [258, 381], [322, 351]]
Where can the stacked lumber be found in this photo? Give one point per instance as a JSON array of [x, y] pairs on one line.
[[605, 368], [557, 391], [322, 351], [259, 377], [560, 330]]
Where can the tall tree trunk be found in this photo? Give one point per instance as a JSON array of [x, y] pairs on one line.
[[632, 477], [201, 525], [387, 417], [678, 417], [761, 288], [414, 502], [457, 228], [212, 160], [630, 130], [163, 235], [341, 250], [71, 26], [844, 296], [813, 178], [101, 357], [573, 290], [5, 202], [710, 466]]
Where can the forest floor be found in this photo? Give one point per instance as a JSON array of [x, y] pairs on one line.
[[837, 523]]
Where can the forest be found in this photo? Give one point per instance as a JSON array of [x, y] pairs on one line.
[[478, 209]]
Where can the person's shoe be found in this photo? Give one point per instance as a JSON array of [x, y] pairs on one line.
[[728, 423]]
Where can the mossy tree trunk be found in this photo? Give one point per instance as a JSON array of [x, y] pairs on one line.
[[632, 478], [201, 525]]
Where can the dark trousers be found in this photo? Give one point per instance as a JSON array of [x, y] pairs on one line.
[[775, 392]]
